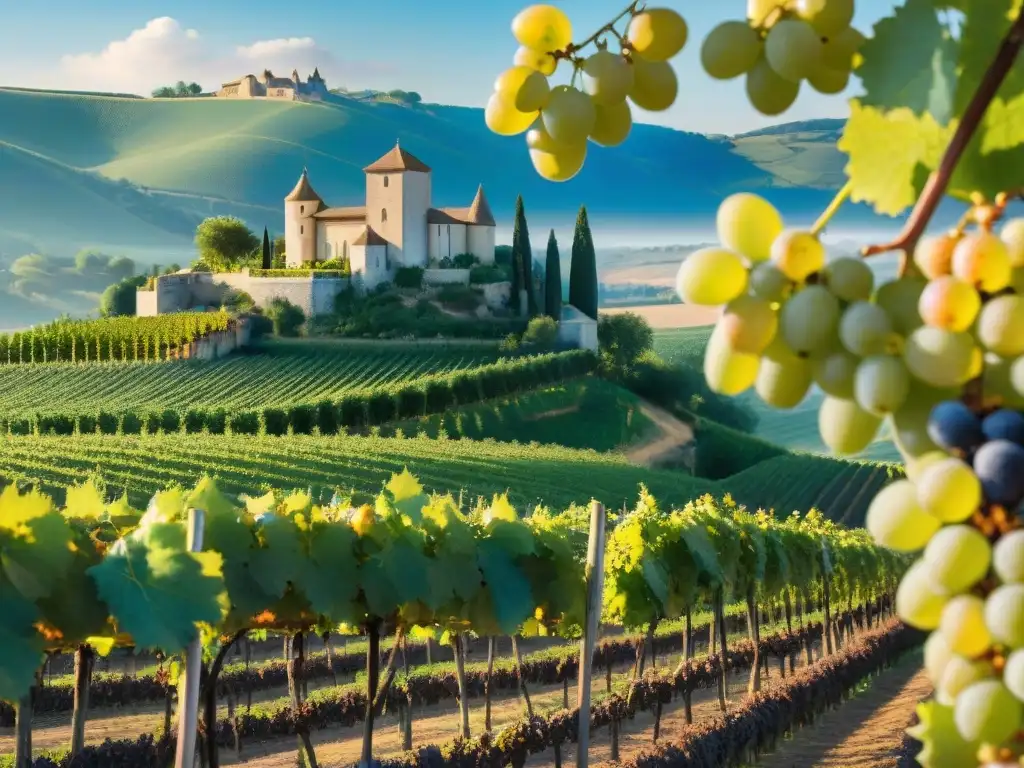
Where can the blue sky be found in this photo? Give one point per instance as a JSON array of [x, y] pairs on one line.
[[448, 50]]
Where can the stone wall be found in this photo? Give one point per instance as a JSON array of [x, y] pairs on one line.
[[496, 294], [446, 276], [183, 291]]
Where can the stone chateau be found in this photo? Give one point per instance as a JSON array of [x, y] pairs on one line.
[[397, 226], [267, 86]]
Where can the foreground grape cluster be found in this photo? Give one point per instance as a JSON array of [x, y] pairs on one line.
[[783, 43], [595, 104], [937, 355]]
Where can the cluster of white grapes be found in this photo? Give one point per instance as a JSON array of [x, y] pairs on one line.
[[559, 120], [939, 353], [782, 43]]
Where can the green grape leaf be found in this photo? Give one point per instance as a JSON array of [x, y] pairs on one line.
[[167, 505], [21, 646], [331, 579], [381, 596], [993, 158], [121, 513], [280, 558], [508, 587], [407, 495], [36, 561], [515, 537], [941, 743], [73, 606], [207, 497], [226, 533], [910, 62], [84, 502], [656, 578], [158, 594], [407, 568], [891, 155]]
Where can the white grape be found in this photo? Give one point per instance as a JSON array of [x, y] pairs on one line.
[[895, 519], [948, 489], [963, 625], [1004, 615], [958, 557], [918, 603], [987, 712], [881, 384], [1008, 557], [808, 321]]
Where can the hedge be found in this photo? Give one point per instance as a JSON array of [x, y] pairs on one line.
[[354, 411]]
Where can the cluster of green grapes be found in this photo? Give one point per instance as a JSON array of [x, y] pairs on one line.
[[559, 120], [938, 354], [782, 43]]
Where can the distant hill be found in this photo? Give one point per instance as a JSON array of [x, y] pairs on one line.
[[81, 170]]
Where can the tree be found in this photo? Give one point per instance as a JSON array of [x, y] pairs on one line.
[[522, 260], [119, 298], [286, 317], [267, 258], [583, 268], [541, 333], [553, 280], [121, 267], [623, 340], [225, 242]]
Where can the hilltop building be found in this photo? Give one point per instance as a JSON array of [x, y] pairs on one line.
[[266, 86], [396, 227]]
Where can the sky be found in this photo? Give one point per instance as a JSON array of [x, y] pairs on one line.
[[449, 51]]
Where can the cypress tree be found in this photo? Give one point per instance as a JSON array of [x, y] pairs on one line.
[[583, 268], [267, 261], [522, 260], [553, 280]]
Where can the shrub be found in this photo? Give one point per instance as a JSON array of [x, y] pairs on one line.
[[302, 419], [151, 423], [244, 423], [217, 421], [170, 421], [327, 418], [131, 424], [464, 260], [461, 298], [482, 274], [352, 411], [108, 423], [509, 345], [623, 340], [275, 421], [440, 395], [259, 326], [286, 317], [380, 408], [195, 421], [86, 424], [541, 333], [20, 426], [410, 401], [409, 277]]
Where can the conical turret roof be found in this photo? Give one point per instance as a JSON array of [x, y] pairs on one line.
[[303, 191], [479, 210]]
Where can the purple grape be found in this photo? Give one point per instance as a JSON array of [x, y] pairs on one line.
[[1004, 424], [954, 427], [999, 465]]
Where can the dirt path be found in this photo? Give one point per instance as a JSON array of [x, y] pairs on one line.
[[674, 435], [866, 732]]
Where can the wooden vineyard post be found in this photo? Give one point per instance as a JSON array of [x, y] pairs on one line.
[[188, 688], [595, 583]]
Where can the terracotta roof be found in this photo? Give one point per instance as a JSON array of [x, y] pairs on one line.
[[478, 213], [303, 191], [349, 213], [479, 210], [397, 160], [369, 236]]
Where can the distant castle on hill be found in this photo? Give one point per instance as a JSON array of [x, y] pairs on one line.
[[267, 86]]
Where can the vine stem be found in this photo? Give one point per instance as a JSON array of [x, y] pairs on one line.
[[629, 10], [939, 180], [826, 216]]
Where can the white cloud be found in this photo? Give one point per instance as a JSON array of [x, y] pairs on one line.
[[163, 52]]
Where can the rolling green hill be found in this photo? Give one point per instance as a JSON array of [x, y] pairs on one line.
[[137, 174]]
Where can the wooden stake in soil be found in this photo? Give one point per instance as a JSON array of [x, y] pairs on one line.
[[188, 687], [23, 732], [458, 640], [518, 656], [83, 677], [487, 684], [594, 576], [372, 673]]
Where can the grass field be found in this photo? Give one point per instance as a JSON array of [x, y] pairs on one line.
[[532, 474], [281, 373], [588, 413], [796, 429]]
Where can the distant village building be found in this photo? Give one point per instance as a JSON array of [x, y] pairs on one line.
[[396, 227], [267, 86]]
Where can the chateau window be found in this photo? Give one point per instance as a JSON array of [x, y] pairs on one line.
[[302, 230], [385, 182], [344, 248], [438, 230], [302, 209], [383, 215], [448, 229]]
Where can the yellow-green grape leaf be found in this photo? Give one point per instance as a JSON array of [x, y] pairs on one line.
[[993, 159], [941, 743], [102, 645], [407, 495], [910, 61], [207, 497], [156, 593], [21, 646], [16, 509], [259, 505], [890, 155], [84, 502], [298, 501]]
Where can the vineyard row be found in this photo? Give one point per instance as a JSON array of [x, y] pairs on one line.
[[353, 411]]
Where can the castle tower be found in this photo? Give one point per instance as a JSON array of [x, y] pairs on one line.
[[397, 201], [299, 225], [480, 232]]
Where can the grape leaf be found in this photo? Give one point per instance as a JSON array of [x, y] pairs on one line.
[[208, 497], [37, 557], [331, 579], [157, 594], [941, 743], [84, 502], [407, 495], [656, 578], [280, 557], [508, 588], [993, 159], [891, 155], [17, 509], [224, 532], [406, 566], [515, 538], [21, 646], [910, 62], [166, 506]]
